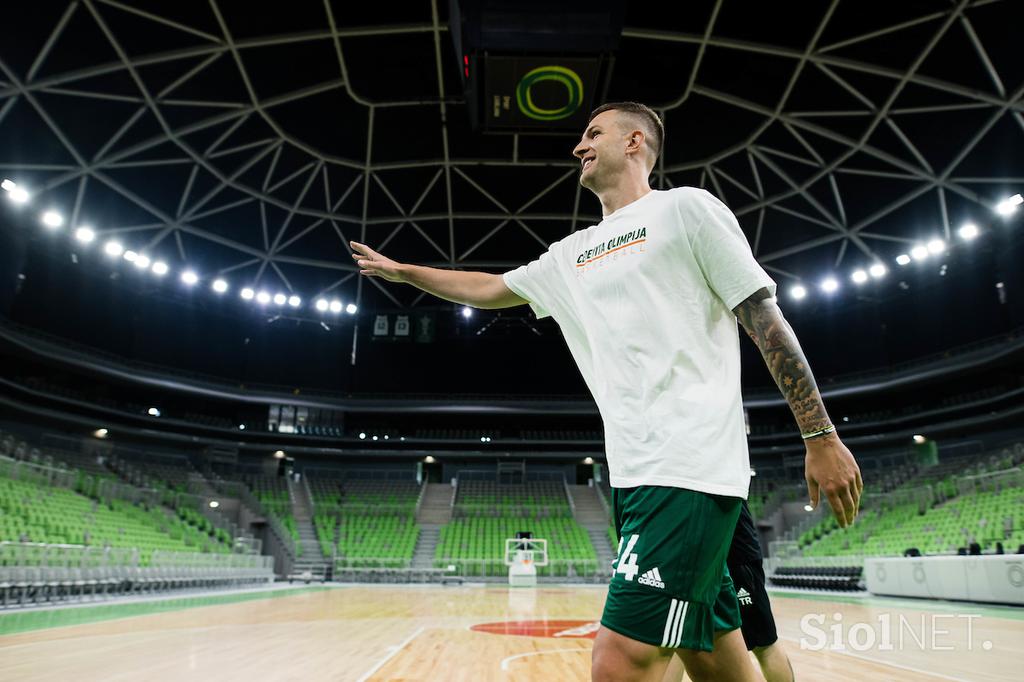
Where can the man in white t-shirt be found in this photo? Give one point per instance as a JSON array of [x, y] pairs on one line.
[[648, 301]]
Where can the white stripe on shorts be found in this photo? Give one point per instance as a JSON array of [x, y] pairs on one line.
[[668, 622], [677, 640]]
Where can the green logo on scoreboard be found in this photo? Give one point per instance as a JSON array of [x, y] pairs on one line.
[[567, 77]]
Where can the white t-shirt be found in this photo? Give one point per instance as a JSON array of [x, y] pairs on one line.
[[644, 300]]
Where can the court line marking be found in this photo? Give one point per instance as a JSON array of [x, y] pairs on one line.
[[901, 666], [394, 650], [506, 661]]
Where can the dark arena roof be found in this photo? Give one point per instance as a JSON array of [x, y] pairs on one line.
[[249, 142]]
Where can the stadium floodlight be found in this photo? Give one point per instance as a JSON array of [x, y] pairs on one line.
[[263, 298], [877, 271], [113, 248], [248, 294], [903, 259], [189, 277], [52, 219], [1007, 206], [351, 309], [322, 305], [467, 312], [830, 285], [130, 256], [936, 246], [16, 194], [142, 262], [798, 292], [160, 268], [280, 299], [968, 231], [153, 412], [294, 301], [919, 252], [219, 285], [859, 277], [335, 306], [85, 234]]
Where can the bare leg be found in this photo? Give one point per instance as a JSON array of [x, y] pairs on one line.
[[774, 663], [618, 658], [729, 662], [674, 671]]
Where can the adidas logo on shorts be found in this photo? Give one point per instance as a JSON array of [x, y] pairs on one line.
[[744, 597], [652, 578]]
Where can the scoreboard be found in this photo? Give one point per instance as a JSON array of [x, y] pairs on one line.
[[534, 66]]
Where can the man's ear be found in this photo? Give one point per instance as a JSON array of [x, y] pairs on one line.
[[635, 141]]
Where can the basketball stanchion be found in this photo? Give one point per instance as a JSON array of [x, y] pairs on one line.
[[523, 556]]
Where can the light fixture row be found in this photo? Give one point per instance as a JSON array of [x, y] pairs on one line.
[[52, 219], [920, 252]]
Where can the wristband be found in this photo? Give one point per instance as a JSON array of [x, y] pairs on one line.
[[814, 434]]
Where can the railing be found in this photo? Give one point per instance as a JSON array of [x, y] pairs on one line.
[[243, 494], [588, 570], [81, 556], [309, 496], [419, 498], [213, 561], [511, 509], [992, 481], [568, 496]]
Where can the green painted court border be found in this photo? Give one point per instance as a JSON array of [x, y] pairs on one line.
[[41, 619], [990, 610]]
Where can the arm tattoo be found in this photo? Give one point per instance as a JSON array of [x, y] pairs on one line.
[[771, 333]]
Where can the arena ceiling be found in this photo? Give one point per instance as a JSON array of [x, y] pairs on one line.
[[251, 140]]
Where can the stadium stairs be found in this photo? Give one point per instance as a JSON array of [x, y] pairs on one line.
[[593, 516], [435, 511], [311, 564]]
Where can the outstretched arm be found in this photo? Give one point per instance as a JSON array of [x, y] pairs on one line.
[[829, 465], [477, 289]]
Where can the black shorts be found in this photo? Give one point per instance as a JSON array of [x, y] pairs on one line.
[[756, 611]]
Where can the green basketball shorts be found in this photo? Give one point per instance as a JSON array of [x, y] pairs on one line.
[[670, 586]]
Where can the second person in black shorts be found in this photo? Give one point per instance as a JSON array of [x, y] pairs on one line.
[[746, 566]]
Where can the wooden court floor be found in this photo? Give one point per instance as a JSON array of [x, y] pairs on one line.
[[482, 634]]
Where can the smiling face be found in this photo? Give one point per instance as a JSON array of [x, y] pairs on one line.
[[601, 151], [610, 144]]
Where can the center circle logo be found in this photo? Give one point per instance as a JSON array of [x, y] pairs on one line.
[[559, 74], [562, 629]]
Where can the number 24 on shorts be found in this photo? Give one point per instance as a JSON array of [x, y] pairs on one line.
[[626, 562]]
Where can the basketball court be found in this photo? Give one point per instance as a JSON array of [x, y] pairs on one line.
[[362, 633], [365, 341]]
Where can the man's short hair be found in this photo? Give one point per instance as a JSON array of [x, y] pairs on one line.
[[654, 129]]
